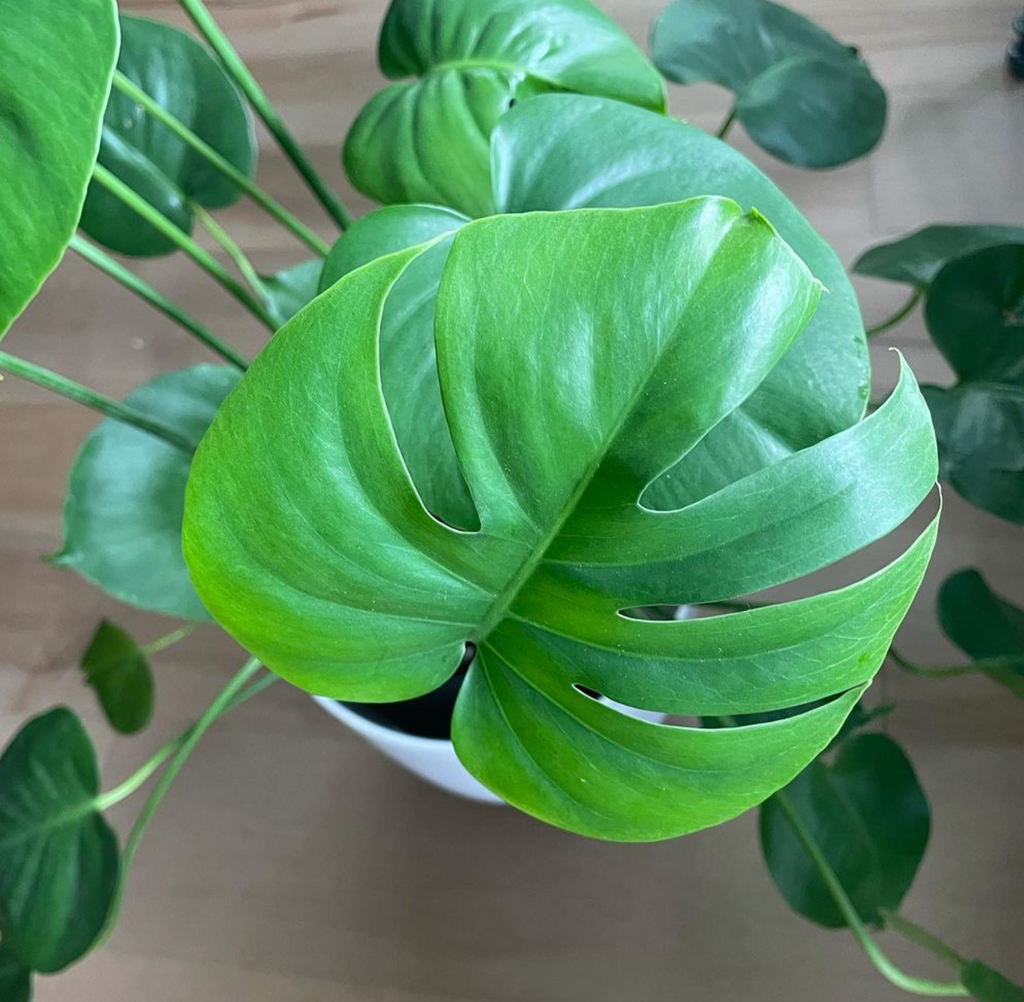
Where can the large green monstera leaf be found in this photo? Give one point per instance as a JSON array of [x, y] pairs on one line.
[[580, 355], [568, 151], [426, 139], [182, 76], [801, 94], [55, 73]]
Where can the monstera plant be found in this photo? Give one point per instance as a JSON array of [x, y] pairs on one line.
[[585, 370]]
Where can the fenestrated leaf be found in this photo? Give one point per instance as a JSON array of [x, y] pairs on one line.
[[988, 985], [58, 59], [983, 625], [868, 813], [126, 494], [15, 978], [580, 354], [59, 863], [179, 73], [426, 139], [801, 94], [289, 290], [918, 257], [115, 666], [566, 151], [975, 315]]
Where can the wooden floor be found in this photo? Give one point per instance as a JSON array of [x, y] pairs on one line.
[[290, 861]]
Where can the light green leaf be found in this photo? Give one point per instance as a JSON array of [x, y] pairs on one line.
[[983, 625], [988, 985], [59, 863], [426, 139], [15, 978], [179, 73], [580, 354], [123, 510], [289, 290], [58, 59], [801, 94], [868, 813], [116, 667], [918, 257]]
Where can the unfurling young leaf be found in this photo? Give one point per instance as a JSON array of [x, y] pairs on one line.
[[59, 860], [580, 355], [868, 813], [426, 139], [801, 94], [116, 667], [181, 75], [54, 79]]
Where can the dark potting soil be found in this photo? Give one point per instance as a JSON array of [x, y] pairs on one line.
[[428, 716]]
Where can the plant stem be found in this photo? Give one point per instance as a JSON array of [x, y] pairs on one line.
[[231, 248], [264, 200], [183, 241], [239, 72], [97, 401], [169, 639], [143, 290], [727, 124], [923, 938], [902, 980], [1010, 662], [900, 314]]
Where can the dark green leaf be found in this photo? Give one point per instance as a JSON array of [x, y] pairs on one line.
[[580, 354], [426, 139], [987, 985], [15, 978], [867, 812], [918, 257], [123, 510], [59, 864], [801, 94], [983, 625], [289, 290], [54, 77], [116, 668], [179, 73]]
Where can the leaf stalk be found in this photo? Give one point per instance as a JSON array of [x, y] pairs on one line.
[[904, 311]]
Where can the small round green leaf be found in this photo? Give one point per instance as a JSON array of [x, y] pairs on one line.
[[55, 73], [918, 257], [115, 666], [59, 862], [801, 94], [289, 290], [123, 510], [427, 139], [15, 978], [178, 72], [868, 813], [988, 985], [983, 625]]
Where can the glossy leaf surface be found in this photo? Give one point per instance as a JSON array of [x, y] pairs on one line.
[[115, 666], [58, 59], [426, 139], [983, 625], [123, 510], [975, 315], [291, 289], [801, 94], [58, 857], [868, 813], [580, 354], [181, 75]]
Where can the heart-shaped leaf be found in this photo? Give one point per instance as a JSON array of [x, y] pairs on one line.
[[566, 151], [988, 985], [975, 314], [918, 257], [116, 667], [801, 94], [289, 290], [54, 78], [15, 978], [59, 863], [178, 72], [983, 625], [427, 139], [580, 354], [123, 510], [868, 813]]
